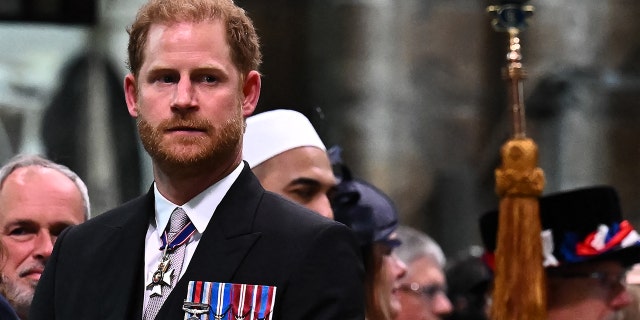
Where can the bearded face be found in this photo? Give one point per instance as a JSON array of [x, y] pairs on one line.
[[190, 99], [19, 295], [207, 146]]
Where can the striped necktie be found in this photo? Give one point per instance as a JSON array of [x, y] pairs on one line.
[[175, 257]]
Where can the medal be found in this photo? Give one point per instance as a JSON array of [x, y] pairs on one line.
[[163, 276], [160, 277], [196, 309]]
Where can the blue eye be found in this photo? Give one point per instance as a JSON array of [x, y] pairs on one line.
[[167, 79], [209, 79]]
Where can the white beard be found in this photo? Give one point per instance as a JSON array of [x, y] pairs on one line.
[[20, 298]]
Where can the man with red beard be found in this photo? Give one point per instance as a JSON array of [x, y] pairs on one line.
[[206, 239], [38, 199]]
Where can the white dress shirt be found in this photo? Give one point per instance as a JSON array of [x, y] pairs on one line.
[[200, 209]]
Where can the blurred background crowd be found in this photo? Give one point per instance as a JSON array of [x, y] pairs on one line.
[[411, 89]]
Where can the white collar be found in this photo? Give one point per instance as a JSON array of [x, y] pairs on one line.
[[200, 209]]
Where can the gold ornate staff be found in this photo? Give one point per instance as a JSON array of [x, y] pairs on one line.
[[519, 285]]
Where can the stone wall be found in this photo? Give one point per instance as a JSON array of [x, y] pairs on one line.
[[412, 91]]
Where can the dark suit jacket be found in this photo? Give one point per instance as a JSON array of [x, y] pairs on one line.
[[254, 237], [6, 310]]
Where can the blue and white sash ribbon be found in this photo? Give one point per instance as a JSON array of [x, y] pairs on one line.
[[182, 237]]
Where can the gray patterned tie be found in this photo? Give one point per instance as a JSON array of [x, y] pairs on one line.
[[178, 221]]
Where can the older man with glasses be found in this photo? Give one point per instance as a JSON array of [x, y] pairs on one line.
[[422, 292], [587, 247]]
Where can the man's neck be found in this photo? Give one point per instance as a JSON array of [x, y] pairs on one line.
[[180, 188]]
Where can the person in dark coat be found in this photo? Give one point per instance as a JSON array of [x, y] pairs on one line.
[[38, 200], [206, 239], [6, 311]]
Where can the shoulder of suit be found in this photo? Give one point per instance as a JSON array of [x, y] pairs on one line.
[[119, 215]]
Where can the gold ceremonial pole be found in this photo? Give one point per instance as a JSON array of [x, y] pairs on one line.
[[519, 285]]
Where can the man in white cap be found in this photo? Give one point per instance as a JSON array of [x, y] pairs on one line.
[[286, 154]]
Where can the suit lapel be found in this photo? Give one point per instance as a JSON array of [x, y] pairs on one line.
[[224, 244], [122, 289]]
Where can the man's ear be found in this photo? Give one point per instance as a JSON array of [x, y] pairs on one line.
[[251, 91], [131, 94]]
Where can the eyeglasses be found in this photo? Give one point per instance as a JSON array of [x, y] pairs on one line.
[[428, 291], [605, 279]]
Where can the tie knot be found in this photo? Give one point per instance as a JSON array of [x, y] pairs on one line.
[[177, 221]]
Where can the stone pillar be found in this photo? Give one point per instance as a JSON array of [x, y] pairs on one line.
[[401, 98], [361, 80], [563, 51]]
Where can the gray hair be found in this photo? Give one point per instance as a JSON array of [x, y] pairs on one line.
[[416, 244], [26, 160]]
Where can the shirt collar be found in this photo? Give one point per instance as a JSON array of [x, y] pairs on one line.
[[200, 209]]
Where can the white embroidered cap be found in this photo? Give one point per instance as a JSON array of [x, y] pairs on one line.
[[273, 132]]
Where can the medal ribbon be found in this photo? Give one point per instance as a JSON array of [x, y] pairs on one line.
[[182, 237], [228, 301]]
